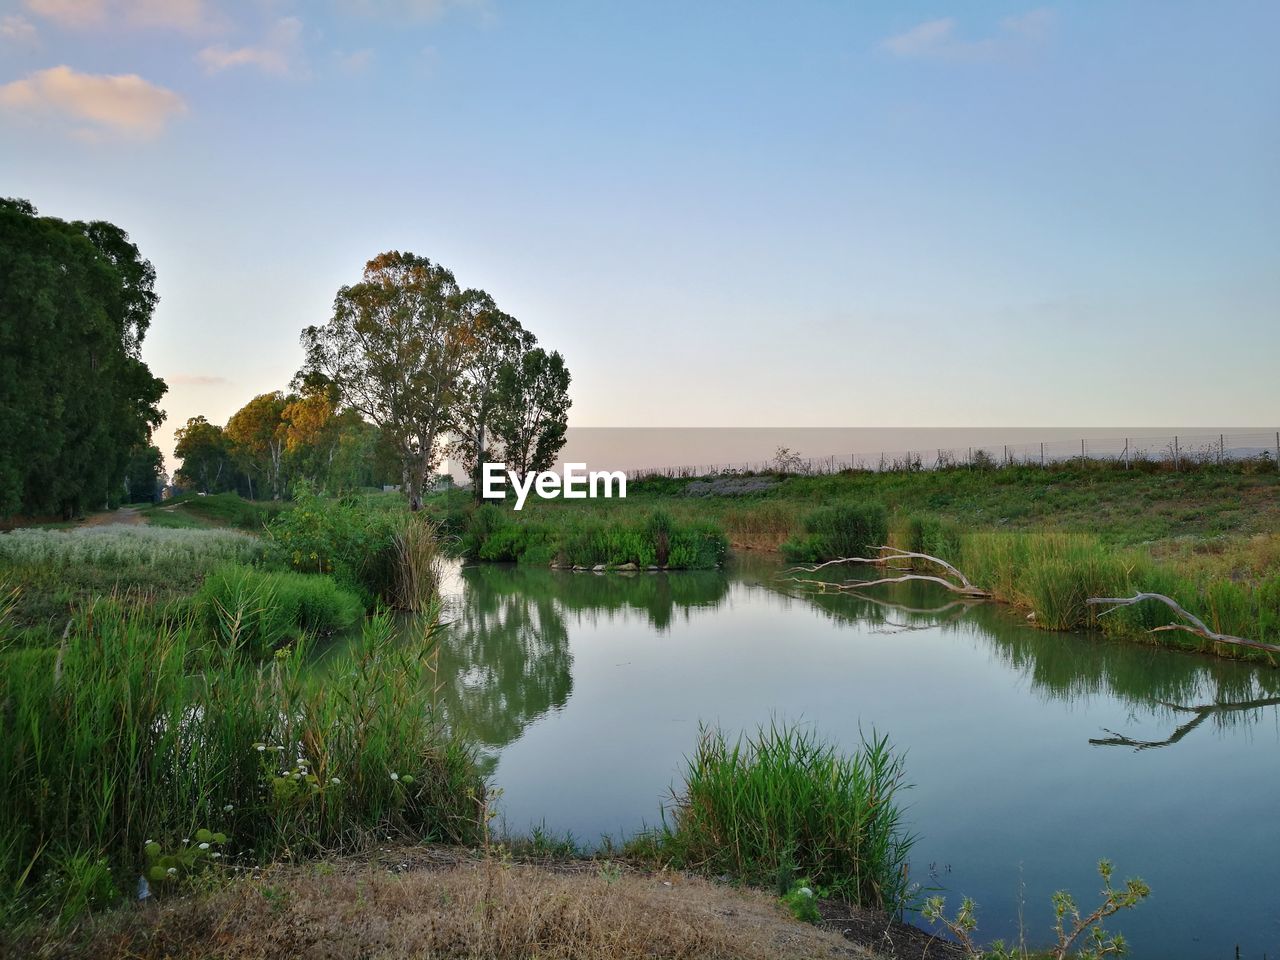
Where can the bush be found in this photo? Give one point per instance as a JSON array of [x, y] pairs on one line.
[[784, 805], [353, 539], [839, 530], [259, 610]]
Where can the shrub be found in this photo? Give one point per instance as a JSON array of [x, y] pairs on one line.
[[784, 804], [353, 539], [259, 610], [839, 530]]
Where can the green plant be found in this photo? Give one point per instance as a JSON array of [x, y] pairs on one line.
[[802, 900], [1071, 928], [183, 862], [784, 802], [839, 530]]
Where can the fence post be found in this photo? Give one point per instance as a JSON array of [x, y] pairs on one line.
[[1041, 454], [1177, 462], [1126, 453], [1006, 454], [1221, 450], [1278, 449], [1082, 451]]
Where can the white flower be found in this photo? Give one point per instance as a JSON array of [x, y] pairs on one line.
[[335, 780], [204, 846], [805, 892], [228, 808], [172, 871], [215, 855], [395, 776], [185, 840], [260, 746]]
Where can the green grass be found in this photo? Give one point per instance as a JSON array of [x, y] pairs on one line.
[[586, 539], [262, 610], [138, 732], [215, 510], [784, 805], [839, 530]]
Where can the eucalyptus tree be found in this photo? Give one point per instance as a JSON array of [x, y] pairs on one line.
[[501, 341], [257, 434], [531, 410], [395, 350], [75, 396]]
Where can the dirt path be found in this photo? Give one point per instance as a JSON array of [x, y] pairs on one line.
[[125, 516]]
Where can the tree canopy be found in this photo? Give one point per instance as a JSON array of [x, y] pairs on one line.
[[76, 400]]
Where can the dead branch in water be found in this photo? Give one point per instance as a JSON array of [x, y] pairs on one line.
[[1200, 715], [889, 556], [1194, 625]]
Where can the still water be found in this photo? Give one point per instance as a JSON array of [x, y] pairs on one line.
[[1032, 754]]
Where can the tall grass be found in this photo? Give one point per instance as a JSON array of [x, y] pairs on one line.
[[784, 804], [839, 530], [126, 546], [259, 610], [139, 731], [565, 537], [419, 564]]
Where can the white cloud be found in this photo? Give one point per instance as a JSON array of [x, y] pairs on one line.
[[189, 15], [279, 53], [357, 61], [124, 104], [939, 40], [17, 29]]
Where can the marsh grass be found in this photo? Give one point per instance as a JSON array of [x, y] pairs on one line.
[[784, 804], [122, 546], [571, 538], [839, 530], [139, 730], [260, 610]]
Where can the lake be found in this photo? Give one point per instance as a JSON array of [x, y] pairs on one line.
[[1032, 754]]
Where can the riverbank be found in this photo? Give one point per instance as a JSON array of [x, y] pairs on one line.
[[1042, 540], [416, 901]]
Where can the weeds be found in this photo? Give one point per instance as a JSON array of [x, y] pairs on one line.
[[839, 530]]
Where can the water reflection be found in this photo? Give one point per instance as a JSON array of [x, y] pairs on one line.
[[508, 660]]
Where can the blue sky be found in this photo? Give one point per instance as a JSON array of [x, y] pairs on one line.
[[832, 214]]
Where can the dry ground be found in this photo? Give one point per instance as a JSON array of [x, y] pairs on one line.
[[429, 903]]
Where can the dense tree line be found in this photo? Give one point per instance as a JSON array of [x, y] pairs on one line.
[[77, 404]]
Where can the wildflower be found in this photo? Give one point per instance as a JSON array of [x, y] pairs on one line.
[[204, 846], [172, 871], [260, 747], [228, 808], [394, 775], [335, 780], [215, 855]]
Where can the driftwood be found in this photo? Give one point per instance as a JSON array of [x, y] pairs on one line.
[[890, 557], [1194, 625], [1200, 715]]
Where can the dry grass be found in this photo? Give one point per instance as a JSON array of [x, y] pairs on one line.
[[1246, 559], [458, 909]]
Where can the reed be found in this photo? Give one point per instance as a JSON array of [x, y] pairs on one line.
[[784, 804], [137, 732]]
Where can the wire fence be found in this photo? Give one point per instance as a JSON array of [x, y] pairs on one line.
[[1172, 452]]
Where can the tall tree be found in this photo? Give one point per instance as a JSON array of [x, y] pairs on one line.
[[395, 349], [144, 474], [531, 410], [500, 341], [205, 454], [75, 397], [257, 434]]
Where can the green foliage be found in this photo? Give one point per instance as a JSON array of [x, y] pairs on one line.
[[570, 538], [802, 900], [839, 530], [352, 538], [260, 610], [182, 863], [75, 397], [141, 731], [531, 409], [1075, 934], [784, 804]]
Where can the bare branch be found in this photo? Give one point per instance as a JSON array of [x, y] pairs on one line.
[[1195, 625]]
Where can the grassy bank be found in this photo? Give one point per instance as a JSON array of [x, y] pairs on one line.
[[118, 748], [1042, 539], [568, 538]]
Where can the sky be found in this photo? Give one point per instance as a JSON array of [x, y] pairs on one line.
[[722, 214]]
